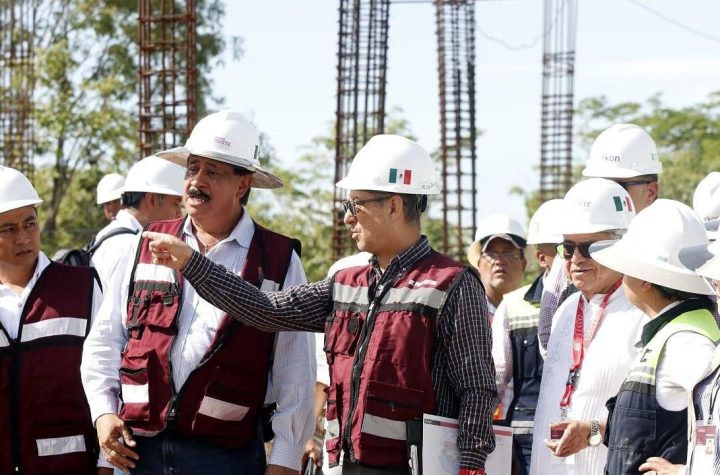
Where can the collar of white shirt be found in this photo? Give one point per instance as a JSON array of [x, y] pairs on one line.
[[242, 233]]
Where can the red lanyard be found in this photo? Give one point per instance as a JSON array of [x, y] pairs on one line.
[[580, 343]]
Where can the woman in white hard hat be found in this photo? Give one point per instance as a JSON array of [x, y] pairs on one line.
[[592, 344], [703, 455], [648, 417]]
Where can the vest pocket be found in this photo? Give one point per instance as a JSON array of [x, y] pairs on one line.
[[64, 447], [342, 333], [135, 388], [332, 415], [388, 407], [225, 404]]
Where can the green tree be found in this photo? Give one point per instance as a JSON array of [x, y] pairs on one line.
[[86, 105]]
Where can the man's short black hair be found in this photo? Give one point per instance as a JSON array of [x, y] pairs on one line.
[[132, 199]]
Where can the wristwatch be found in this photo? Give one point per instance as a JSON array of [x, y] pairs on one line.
[[472, 471], [595, 437]]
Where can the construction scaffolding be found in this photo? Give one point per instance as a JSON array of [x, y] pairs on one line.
[[168, 73], [560, 27], [361, 79], [455, 28], [17, 31]]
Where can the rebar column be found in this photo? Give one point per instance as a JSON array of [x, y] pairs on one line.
[[360, 110], [17, 30], [560, 27], [455, 28], [167, 74]]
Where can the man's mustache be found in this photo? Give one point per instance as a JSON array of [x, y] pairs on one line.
[[195, 193]]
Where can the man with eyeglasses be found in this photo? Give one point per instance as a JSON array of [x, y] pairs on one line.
[[174, 383], [592, 343], [46, 310], [627, 155], [405, 335]]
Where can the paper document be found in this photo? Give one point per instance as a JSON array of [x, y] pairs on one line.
[[440, 455]]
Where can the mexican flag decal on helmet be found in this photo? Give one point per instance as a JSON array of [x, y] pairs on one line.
[[404, 177], [623, 203]]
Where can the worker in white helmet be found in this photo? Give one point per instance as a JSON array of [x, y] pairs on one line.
[[46, 310], [152, 192], [648, 416], [627, 155], [405, 335], [592, 344], [516, 351], [164, 370], [108, 194], [498, 254]]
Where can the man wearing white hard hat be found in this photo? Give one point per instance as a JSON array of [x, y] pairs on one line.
[[516, 350], [648, 416], [405, 335], [46, 310], [167, 372], [498, 255], [109, 189], [592, 344], [627, 155], [152, 192]]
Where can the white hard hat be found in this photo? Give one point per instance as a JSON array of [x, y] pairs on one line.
[[109, 188], [16, 191], [595, 205], [393, 164], [228, 137], [496, 226], [703, 259], [543, 224], [155, 175], [706, 199], [623, 151], [650, 250]]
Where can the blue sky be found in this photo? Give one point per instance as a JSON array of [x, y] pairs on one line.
[[286, 79]]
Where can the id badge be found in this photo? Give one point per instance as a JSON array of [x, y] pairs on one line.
[[704, 450]]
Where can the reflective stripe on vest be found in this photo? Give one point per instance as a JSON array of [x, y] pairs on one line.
[[642, 375], [63, 326], [60, 445], [380, 362]]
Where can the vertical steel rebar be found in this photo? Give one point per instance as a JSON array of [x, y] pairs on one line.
[[167, 75], [360, 106], [560, 24], [455, 30], [17, 82]]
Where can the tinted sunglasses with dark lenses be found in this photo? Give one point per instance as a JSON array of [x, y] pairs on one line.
[[628, 184], [352, 205], [567, 249]]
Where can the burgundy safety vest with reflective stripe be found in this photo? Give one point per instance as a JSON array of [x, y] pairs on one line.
[[221, 398], [380, 356], [45, 422]]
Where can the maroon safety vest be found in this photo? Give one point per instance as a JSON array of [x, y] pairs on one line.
[[221, 398], [45, 422], [380, 357]]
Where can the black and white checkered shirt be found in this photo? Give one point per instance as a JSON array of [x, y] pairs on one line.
[[463, 373]]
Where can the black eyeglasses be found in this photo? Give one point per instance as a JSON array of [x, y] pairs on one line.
[[352, 205], [567, 249], [628, 184]]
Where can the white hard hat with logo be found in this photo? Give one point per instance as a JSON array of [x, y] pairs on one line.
[[595, 205], [623, 151], [393, 164], [16, 191], [543, 224], [109, 188], [155, 175], [495, 226], [650, 249], [228, 137]]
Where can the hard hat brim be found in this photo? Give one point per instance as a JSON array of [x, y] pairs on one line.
[[11, 205], [617, 172], [349, 184], [619, 256], [108, 197], [261, 177]]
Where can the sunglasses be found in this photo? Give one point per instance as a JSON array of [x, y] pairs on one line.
[[628, 184], [567, 249], [351, 206]]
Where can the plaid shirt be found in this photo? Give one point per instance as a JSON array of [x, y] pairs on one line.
[[463, 374]]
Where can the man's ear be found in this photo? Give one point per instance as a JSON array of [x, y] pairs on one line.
[[244, 183]]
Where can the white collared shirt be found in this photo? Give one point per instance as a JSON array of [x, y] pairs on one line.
[[291, 382], [607, 361], [112, 252]]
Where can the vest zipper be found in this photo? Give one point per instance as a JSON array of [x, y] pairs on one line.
[[15, 404], [365, 335]]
